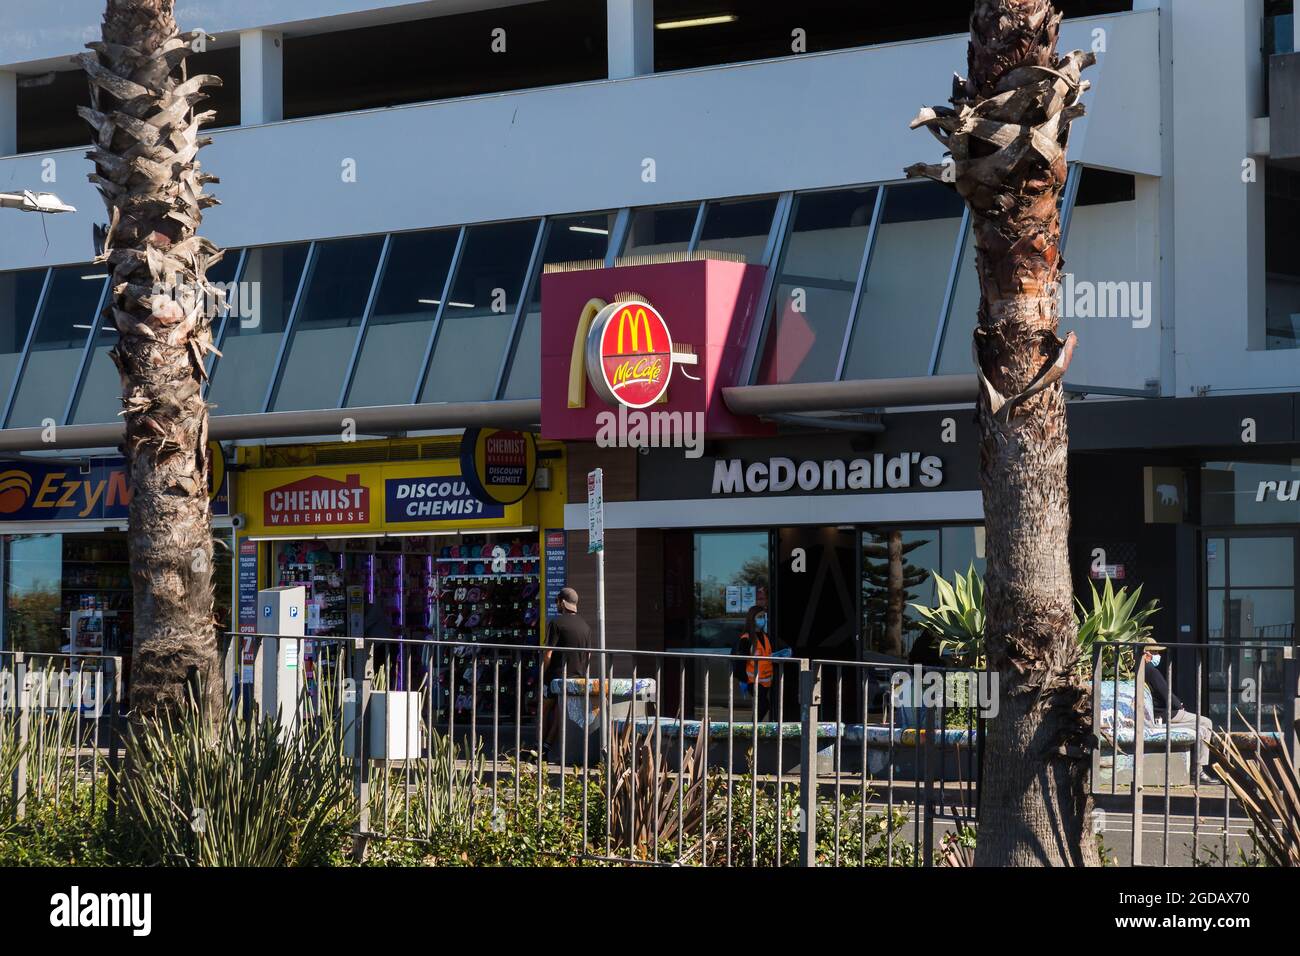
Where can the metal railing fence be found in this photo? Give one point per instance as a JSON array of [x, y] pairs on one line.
[[662, 758]]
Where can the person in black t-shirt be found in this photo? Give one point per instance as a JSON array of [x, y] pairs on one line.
[[566, 630]]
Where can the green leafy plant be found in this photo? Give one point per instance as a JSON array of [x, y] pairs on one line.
[[435, 791], [958, 617], [1113, 618], [867, 835], [240, 796]]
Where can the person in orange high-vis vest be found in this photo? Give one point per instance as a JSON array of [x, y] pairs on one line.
[[758, 677]]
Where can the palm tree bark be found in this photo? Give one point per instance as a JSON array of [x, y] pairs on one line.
[[1007, 133], [146, 138]]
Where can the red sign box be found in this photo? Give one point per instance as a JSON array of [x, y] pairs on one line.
[[705, 306]]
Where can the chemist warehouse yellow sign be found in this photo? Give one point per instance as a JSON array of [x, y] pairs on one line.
[[359, 499]]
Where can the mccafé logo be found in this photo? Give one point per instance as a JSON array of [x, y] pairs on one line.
[[629, 354]]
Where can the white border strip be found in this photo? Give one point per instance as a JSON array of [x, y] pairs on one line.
[[725, 512]]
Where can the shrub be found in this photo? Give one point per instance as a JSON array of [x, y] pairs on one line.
[[237, 796]]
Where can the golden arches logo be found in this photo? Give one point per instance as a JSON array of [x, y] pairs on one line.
[[15, 489], [638, 320]]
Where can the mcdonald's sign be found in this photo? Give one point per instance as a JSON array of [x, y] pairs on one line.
[[629, 354]]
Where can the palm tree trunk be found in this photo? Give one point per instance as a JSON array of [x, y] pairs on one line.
[[146, 140], [1007, 133]]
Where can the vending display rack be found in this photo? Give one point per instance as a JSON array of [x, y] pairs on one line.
[[480, 589]]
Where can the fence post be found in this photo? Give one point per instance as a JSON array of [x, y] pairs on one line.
[[810, 698], [928, 818], [1291, 733], [21, 699], [111, 708], [363, 674], [1139, 748], [1097, 742]]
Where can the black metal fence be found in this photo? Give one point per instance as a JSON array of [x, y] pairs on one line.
[[686, 758]]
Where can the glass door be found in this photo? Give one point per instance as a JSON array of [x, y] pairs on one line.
[[1250, 616]]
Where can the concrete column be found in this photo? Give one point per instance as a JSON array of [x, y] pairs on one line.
[[261, 77], [631, 29], [8, 113]]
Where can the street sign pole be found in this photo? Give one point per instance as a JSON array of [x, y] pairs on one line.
[[596, 544]]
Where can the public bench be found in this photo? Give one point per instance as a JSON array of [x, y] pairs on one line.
[[904, 747]]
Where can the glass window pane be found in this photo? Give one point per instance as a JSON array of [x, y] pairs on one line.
[[1215, 561], [572, 239], [61, 330], [963, 546], [33, 576], [819, 270], [19, 292], [325, 330], [895, 573], [476, 323], [1107, 290], [1281, 255], [1262, 562], [388, 369], [738, 225], [660, 229], [250, 345], [894, 331], [727, 564], [102, 387], [1261, 614], [955, 350]]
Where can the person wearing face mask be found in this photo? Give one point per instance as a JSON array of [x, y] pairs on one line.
[[758, 677], [1166, 702]]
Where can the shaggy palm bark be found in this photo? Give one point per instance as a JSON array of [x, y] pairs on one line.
[[145, 142], [1007, 133]]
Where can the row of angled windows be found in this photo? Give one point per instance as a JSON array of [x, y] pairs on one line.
[[512, 48], [870, 281]]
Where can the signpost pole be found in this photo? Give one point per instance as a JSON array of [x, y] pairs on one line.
[[596, 544]]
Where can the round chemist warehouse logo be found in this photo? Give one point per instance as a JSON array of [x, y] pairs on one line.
[[15, 489], [629, 354]]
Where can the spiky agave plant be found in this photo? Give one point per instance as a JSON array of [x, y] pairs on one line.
[[1113, 618], [146, 140], [246, 795], [957, 619]]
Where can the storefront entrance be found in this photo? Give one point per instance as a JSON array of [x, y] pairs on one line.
[[1250, 599]]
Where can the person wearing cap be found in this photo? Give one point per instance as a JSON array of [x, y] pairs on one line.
[[1166, 702], [570, 632]]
